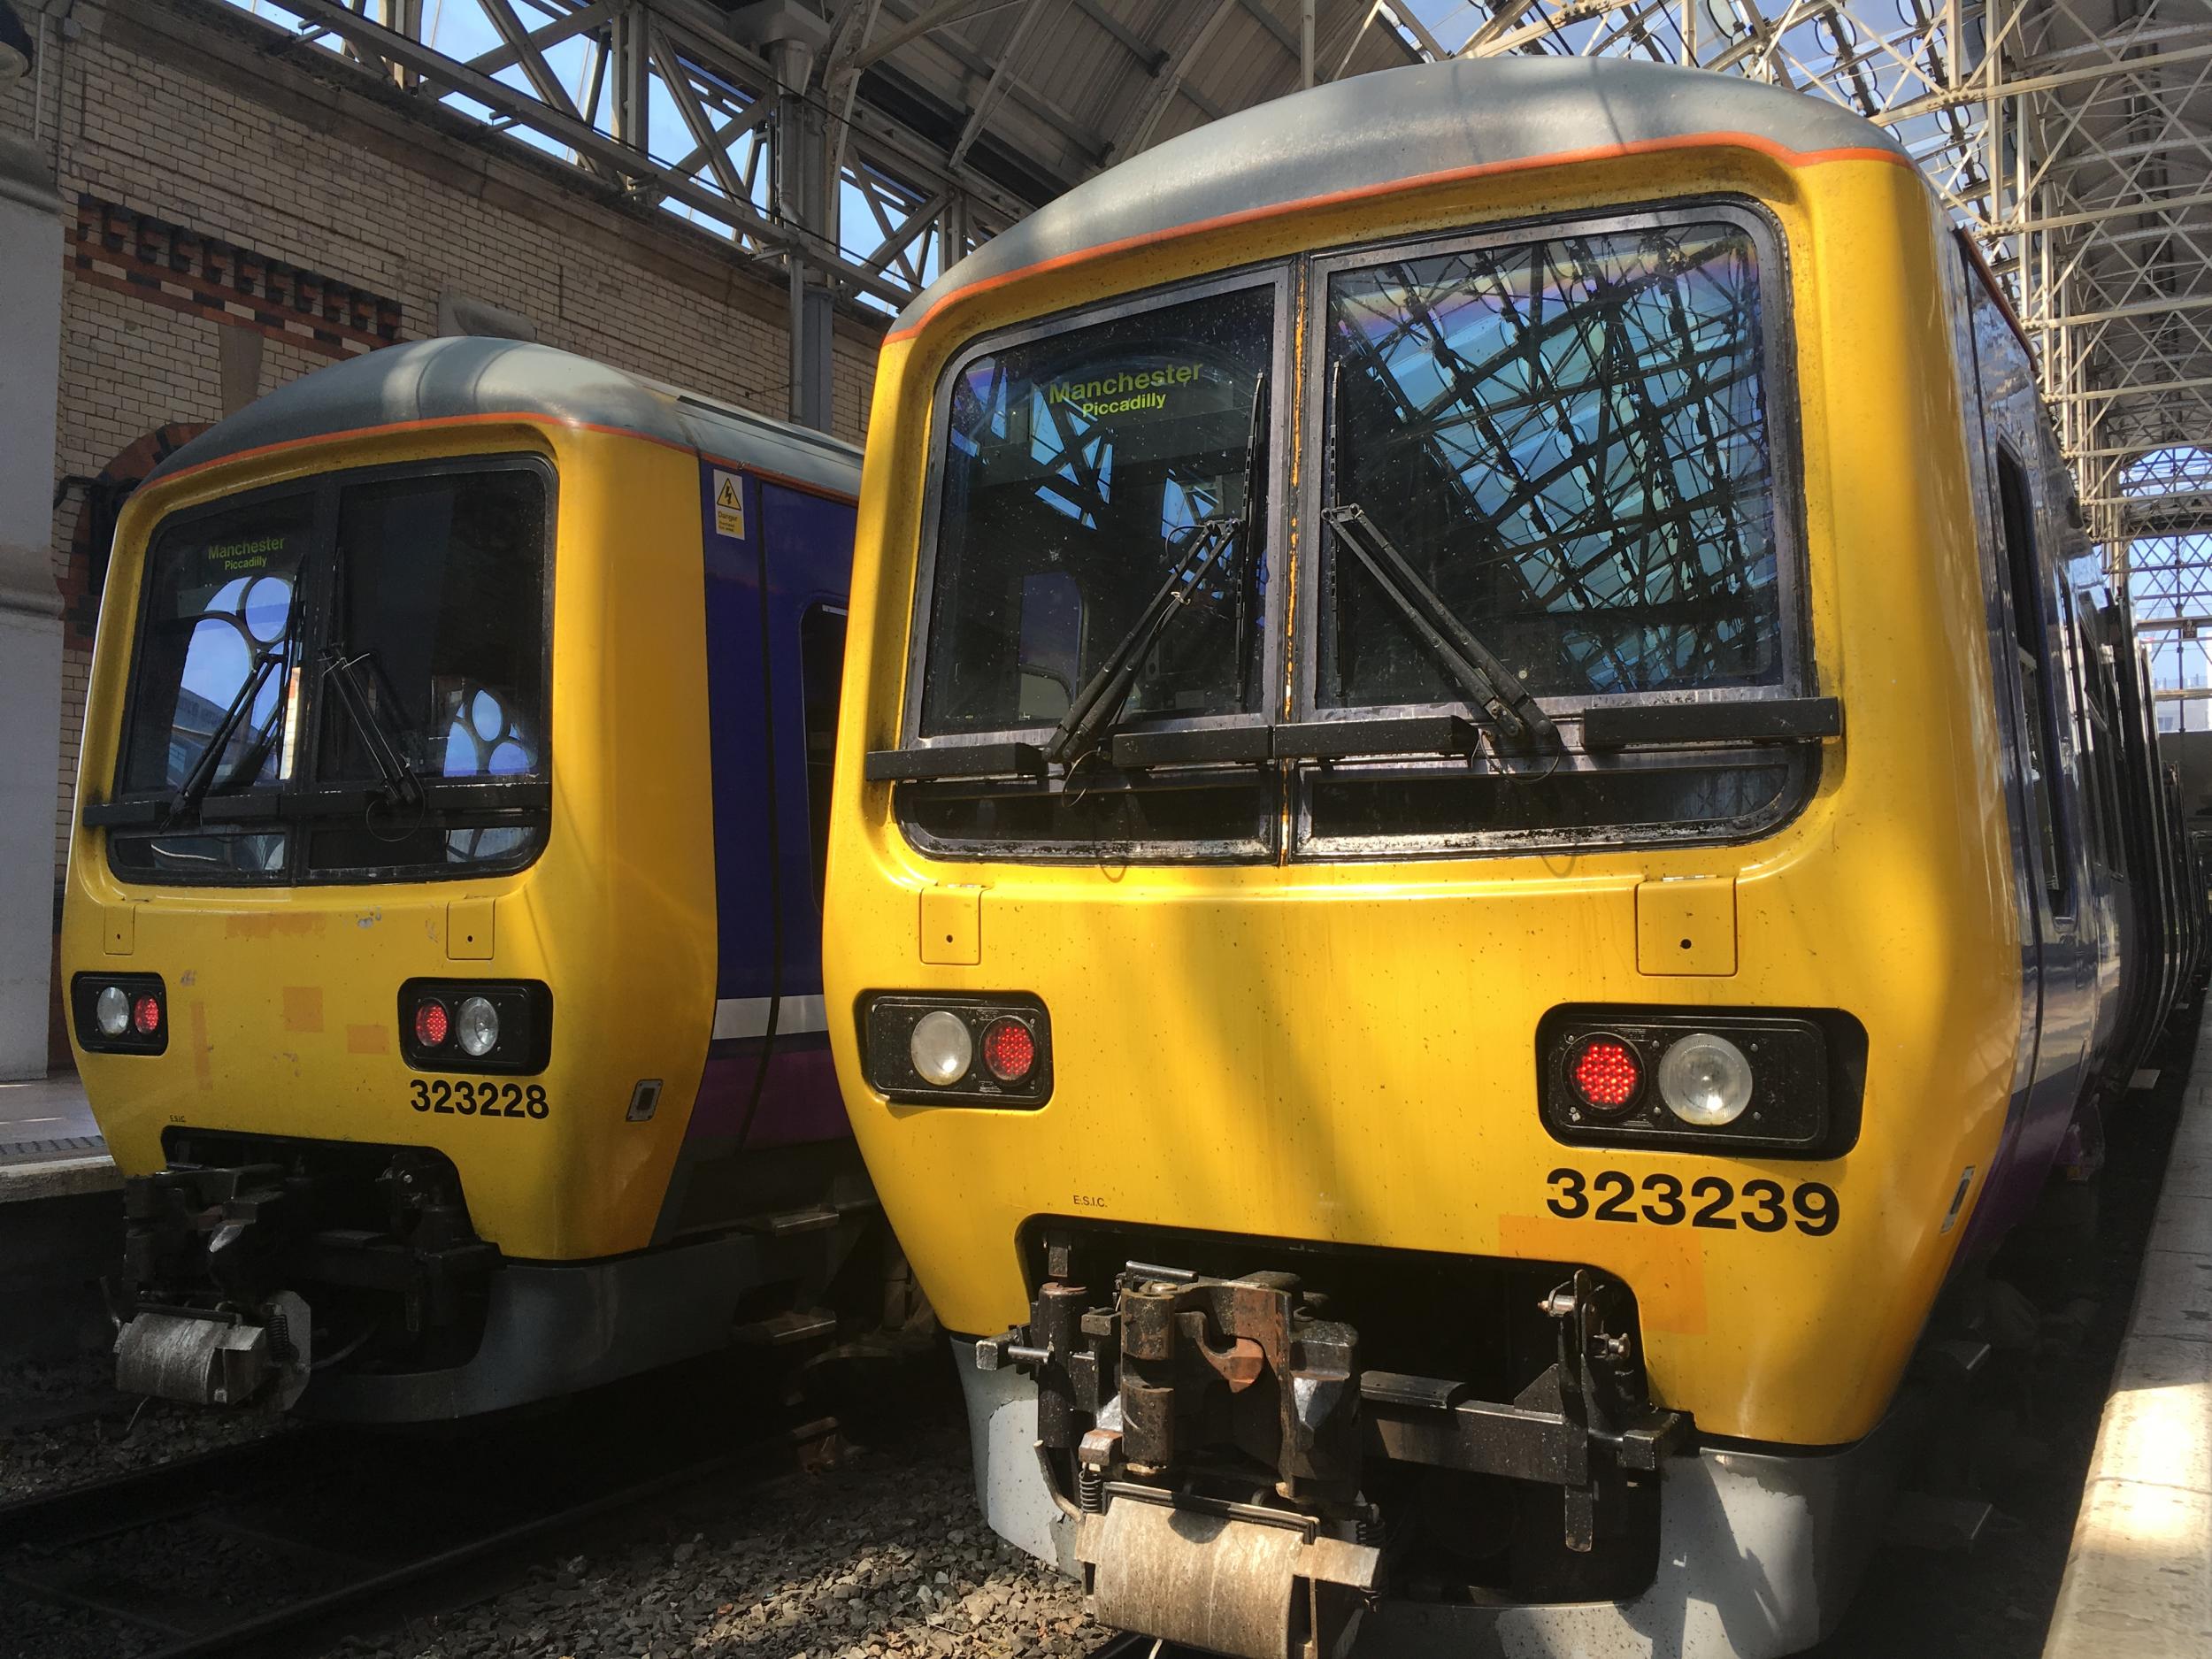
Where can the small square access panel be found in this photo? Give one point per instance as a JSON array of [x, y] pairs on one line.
[[952, 925], [1686, 926], [468, 929]]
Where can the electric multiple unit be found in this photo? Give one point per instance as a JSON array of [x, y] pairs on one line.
[[442, 929], [1490, 812]]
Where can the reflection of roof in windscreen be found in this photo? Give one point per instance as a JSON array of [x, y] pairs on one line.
[[1376, 130], [462, 377]]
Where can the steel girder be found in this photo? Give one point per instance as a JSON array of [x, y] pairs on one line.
[[747, 122], [2074, 136], [838, 142]]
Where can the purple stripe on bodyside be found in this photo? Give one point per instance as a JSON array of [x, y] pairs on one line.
[[798, 1102]]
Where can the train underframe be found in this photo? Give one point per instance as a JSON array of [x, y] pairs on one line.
[[1280, 1451], [348, 1280]]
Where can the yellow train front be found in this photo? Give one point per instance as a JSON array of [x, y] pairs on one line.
[[1488, 813], [440, 925]]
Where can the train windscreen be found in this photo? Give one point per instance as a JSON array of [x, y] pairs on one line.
[[1567, 442], [1569, 445], [346, 680], [218, 654], [1567, 439], [1079, 468]]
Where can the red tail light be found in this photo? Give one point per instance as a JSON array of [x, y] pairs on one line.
[[146, 1016], [1606, 1073], [1008, 1050], [431, 1022]]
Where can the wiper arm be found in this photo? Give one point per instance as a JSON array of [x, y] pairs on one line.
[[342, 673], [1102, 695], [1491, 687], [201, 779]]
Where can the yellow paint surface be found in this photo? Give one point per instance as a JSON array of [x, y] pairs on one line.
[[303, 1008]]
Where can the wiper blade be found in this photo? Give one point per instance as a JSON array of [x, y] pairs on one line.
[[1496, 690], [342, 673], [201, 779], [1102, 695]]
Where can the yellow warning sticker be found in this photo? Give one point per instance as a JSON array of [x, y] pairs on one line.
[[729, 504]]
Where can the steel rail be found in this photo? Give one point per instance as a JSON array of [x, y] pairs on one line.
[[142, 1497], [54, 1523], [247, 1635]]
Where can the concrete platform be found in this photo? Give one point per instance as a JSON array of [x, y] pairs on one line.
[[49, 1146], [2139, 1579]]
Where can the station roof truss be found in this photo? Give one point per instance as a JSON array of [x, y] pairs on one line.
[[2072, 137]]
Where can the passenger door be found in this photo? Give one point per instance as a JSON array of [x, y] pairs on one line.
[[2037, 718], [809, 541]]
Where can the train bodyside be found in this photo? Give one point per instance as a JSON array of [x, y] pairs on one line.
[[525, 733], [2089, 867], [1296, 1031]]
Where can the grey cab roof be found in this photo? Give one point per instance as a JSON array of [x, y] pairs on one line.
[[1374, 130], [440, 380]]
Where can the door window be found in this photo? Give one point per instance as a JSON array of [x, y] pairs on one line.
[[821, 672], [2038, 686]]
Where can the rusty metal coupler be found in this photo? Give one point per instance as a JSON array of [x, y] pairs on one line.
[[1212, 1435]]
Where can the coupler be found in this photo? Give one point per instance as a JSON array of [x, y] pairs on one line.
[[1222, 1445]]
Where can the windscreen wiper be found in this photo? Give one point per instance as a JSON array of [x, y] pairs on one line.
[[342, 674], [201, 779], [1102, 695], [1496, 690]]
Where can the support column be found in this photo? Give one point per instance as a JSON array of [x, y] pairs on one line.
[[805, 195], [30, 606], [952, 231], [405, 17], [802, 198], [629, 63]]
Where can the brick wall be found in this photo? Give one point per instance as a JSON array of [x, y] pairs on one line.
[[178, 109]]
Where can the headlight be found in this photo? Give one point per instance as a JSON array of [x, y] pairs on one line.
[[1783, 1082], [953, 1049], [119, 1013], [477, 1025], [1705, 1080], [941, 1048]]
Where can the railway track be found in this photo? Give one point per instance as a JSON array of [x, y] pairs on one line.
[[286, 1544]]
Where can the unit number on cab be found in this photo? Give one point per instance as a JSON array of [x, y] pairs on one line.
[[1711, 1201], [477, 1100]]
